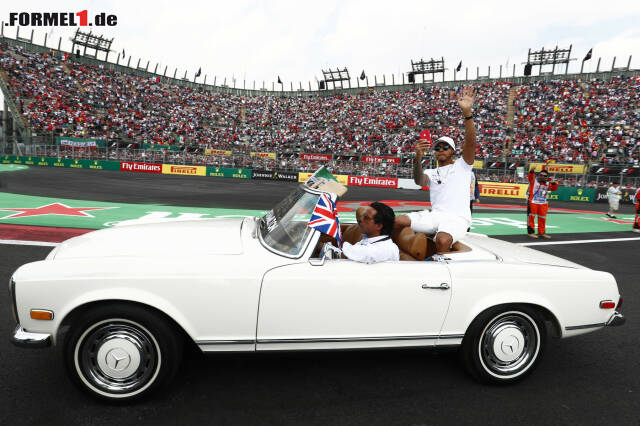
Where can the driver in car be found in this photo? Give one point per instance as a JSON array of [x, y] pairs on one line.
[[376, 224]]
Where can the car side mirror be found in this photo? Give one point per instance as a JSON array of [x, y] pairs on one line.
[[325, 253]]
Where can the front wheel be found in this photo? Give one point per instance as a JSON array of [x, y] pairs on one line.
[[504, 344], [121, 352]]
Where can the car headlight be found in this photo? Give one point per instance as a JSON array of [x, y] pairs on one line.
[[12, 293]]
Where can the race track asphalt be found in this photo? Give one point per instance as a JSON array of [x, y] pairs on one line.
[[589, 379]]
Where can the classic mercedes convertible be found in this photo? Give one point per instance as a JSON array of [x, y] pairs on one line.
[[122, 302]]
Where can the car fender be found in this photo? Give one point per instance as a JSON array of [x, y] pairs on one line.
[[133, 295], [458, 321]]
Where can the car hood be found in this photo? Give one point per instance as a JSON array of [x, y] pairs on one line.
[[157, 240]]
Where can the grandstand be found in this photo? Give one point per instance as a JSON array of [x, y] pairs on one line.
[[588, 119]]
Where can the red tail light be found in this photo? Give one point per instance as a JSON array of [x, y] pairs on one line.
[[607, 304]]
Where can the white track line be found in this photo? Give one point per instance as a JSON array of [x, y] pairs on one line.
[[549, 243], [28, 243]]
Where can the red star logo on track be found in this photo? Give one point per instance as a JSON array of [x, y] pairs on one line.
[[54, 208]]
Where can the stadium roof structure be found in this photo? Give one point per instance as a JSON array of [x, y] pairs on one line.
[[432, 66], [91, 41], [550, 57], [337, 76]]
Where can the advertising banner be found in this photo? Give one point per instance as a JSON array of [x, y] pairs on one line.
[[229, 173], [160, 147], [343, 179], [80, 142], [274, 175], [378, 182], [176, 169], [347, 158], [575, 169], [102, 165], [601, 195], [271, 155], [221, 152], [566, 193], [408, 184], [128, 166], [373, 159], [504, 190], [478, 164], [615, 170], [316, 157], [7, 159], [627, 195]]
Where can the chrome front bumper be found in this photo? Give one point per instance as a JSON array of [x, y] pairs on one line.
[[616, 319], [30, 340]]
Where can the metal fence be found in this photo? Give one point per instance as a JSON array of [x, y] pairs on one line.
[[355, 166]]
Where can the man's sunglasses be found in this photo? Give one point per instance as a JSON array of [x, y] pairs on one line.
[[441, 147]]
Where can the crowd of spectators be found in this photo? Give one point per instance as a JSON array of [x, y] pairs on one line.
[[576, 121], [571, 121]]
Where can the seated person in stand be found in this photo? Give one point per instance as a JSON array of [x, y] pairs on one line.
[[376, 224], [448, 183]]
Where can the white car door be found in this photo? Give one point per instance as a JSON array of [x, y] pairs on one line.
[[346, 304]]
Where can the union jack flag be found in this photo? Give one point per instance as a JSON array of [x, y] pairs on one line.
[[324, 218]]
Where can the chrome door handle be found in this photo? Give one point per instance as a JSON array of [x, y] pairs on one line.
[[442, 286]]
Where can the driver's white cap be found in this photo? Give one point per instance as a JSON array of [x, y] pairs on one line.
[[445, 139]]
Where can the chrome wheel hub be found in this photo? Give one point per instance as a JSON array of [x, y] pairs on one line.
[[509, 344], [117, 357]]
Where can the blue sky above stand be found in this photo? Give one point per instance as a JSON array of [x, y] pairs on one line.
[[259, 40]]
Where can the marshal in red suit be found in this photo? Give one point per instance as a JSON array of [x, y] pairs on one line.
[[537, 205]]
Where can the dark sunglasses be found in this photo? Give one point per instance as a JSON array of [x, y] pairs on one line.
[[441, 147]]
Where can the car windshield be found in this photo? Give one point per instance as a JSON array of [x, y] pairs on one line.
[[284, 229]]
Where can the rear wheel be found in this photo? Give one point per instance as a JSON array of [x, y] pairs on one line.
[[121, 352], [504, 344]]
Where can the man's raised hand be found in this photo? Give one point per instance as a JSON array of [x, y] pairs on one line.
[[466, 98]]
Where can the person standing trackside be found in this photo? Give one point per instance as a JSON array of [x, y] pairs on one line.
[[537, 201], [636, 220], [613, 194]]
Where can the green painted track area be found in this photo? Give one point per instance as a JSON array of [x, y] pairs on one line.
[[64, 213], [12, 167]]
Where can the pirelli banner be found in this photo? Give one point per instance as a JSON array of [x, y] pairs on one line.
[[269, 155], [572, 169], [220, 152], [343, 179], [504, 190], [275, 175], [176, 169]]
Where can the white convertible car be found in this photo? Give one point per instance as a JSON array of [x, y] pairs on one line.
[[122, 302]]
